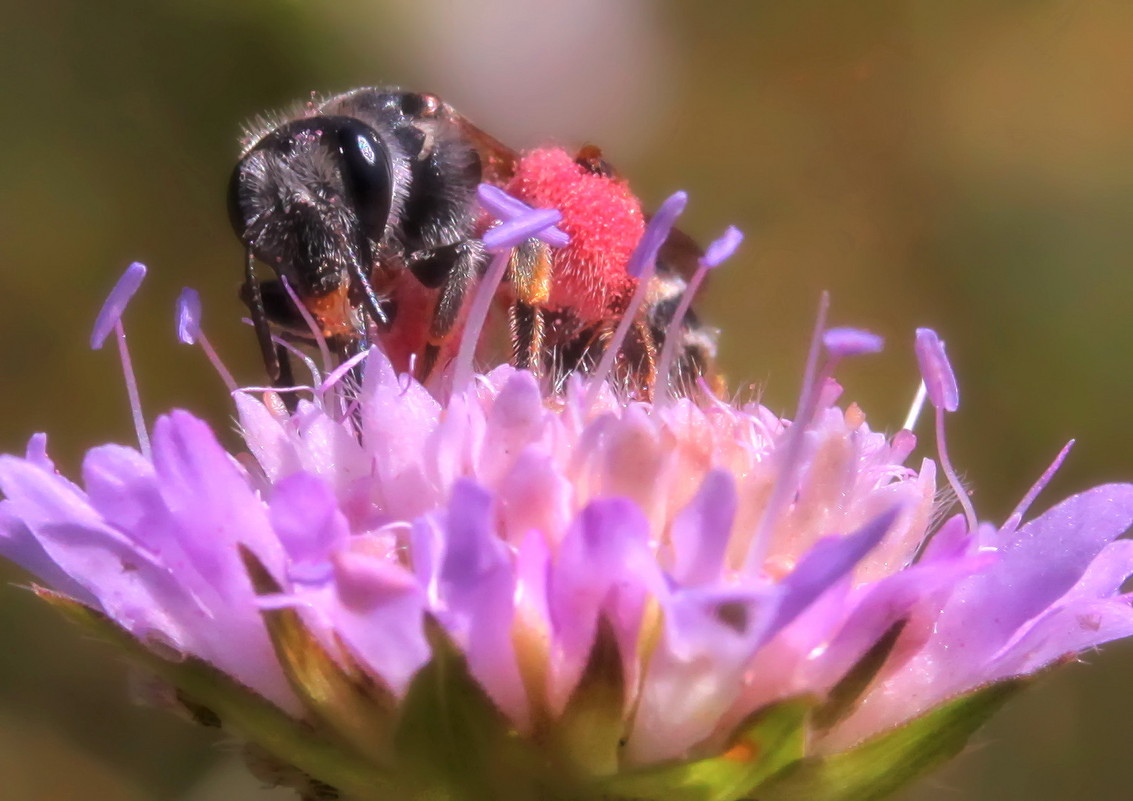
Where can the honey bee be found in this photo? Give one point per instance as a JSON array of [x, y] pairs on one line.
[[364, 206]]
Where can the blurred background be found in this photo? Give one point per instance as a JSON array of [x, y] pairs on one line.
[[964, 165]]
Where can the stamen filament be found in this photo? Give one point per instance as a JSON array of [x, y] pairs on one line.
[[316, 374], [716, 253], [669, 349], [792, 447], [477, 315], [641, 265], [132, 390], [225, 376], [1016, 517], [954, 480], [915, 410], [339, 372], [304, 312], [189, 331]]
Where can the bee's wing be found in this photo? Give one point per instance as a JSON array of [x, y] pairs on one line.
[[497, 159]]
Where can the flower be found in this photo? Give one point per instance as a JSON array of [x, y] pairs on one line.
[[496, 590]]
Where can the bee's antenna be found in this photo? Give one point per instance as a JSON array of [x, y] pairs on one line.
[[361, 281]]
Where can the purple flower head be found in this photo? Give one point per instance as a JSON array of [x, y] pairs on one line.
[[597, 593]]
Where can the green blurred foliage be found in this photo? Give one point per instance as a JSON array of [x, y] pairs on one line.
[[962, 165]]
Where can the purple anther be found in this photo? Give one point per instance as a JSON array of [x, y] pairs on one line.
[[116, 303], [505, 208], [722, 248], [499, 203], [843, 342], [188, 316], [517, 230], [656, 232], [936, 371]]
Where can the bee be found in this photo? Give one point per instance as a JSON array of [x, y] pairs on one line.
[[364, 206]]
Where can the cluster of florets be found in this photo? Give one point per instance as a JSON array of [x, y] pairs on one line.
[[619, 587]]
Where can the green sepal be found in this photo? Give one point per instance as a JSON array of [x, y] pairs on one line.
[[243, 711], [844, 696], [589, 733], [453, 744], [766, 743], [338, 695], [885, 763]]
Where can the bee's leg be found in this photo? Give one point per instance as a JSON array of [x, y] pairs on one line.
[[635, 367], [529, 270], [640, 351], [527, 327], [453, 268]]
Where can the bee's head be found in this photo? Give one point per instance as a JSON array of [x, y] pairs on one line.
[[312, 197]]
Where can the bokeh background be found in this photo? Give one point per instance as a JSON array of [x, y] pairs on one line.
[[966, 165]]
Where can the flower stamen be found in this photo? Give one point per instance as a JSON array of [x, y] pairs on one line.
[[642, 262], [316, 331], [792, 448], [190, 333], [717, 252], [1016, 516], [943, 392], [337, 374], [519, 222], [916, 407], [110, 320]]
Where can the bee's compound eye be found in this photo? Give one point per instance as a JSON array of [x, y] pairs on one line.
[[366, 173]]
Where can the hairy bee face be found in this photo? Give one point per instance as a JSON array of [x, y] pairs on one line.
[[312, 199]]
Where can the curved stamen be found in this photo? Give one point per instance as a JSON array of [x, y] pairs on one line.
[[944, 393], [338, 373], [312, 326]]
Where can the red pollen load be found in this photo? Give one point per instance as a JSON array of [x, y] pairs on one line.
[[604, 221]]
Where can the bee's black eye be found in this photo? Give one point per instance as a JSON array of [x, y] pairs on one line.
[[366, 173]]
